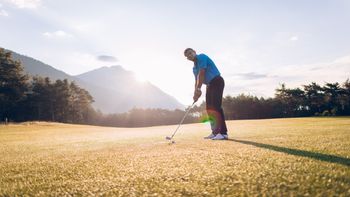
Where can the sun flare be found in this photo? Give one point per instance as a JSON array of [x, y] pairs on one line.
[[140, 78]]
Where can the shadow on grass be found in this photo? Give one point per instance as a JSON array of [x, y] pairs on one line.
[[303, 153]]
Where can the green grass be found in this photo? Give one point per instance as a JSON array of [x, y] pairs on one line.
[[279, 157]]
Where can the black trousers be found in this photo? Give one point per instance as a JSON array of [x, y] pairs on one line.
[[213, 99]]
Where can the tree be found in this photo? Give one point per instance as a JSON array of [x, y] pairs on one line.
[[80, 102], [314, 95], [292, 101], [344, 98], [13, 86], [42, 99], [332, 93], [61, 93]]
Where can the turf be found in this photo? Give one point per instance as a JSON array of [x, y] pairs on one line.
[[277, 157]]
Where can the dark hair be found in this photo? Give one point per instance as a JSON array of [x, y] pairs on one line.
[[187, 50]]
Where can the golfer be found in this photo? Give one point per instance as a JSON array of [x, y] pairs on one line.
[[206, 72]]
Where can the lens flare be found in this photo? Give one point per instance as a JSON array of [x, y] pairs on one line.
[[213, 117]]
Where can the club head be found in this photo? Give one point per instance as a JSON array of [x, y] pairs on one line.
[[168, 138]]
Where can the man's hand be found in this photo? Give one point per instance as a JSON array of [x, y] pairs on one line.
[[197, 94]]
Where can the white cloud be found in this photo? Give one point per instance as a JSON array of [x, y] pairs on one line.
[[337, 70], [249, 76], [294, 38], [31, 4], [83, 27], [57, 34], [293, 76], [3, 13], [343, 60]]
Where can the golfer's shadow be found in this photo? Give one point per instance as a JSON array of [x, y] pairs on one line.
[[297, 152]]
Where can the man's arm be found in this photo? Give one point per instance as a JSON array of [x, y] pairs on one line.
[[200, 79], [199, 82]]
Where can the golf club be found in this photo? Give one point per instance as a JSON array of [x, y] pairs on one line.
[[170, 138]]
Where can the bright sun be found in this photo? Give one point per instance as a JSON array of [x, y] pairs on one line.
[[140, 78]]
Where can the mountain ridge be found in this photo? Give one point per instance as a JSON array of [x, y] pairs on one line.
[[114, 89]]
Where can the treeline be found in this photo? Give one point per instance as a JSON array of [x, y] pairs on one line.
[[331, 99], [24, 98]]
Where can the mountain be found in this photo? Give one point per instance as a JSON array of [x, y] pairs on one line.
[[125, 91], [35, 67], [114, 89]]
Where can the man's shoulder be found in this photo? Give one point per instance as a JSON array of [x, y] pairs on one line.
[[202, 56]]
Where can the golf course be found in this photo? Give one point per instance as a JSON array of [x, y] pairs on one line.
[[271, 157]]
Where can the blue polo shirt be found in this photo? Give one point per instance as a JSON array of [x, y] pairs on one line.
[[204, 62]]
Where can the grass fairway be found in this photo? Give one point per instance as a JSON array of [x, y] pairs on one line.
[[279, 157]]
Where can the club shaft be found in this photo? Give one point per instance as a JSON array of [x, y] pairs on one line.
[[189, 109]]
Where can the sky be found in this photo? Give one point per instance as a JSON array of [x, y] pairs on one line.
[[257, 45]]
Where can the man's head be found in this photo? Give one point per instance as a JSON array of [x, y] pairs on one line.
[[190, 54]]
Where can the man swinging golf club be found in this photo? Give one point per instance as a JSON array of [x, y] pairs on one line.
[[206, 72]]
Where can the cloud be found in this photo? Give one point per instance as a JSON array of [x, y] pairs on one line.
[[30, 4], [337, 70], [343, 60], [294, 38], [3, 13], [57, 34], [107, 58], [249, 76], [75, 62]]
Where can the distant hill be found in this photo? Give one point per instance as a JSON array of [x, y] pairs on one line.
[[114, 89], [125, 91], [35, 67]]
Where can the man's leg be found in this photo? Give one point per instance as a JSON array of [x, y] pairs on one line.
[[223, 128], [218, 90], [210, 110]]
